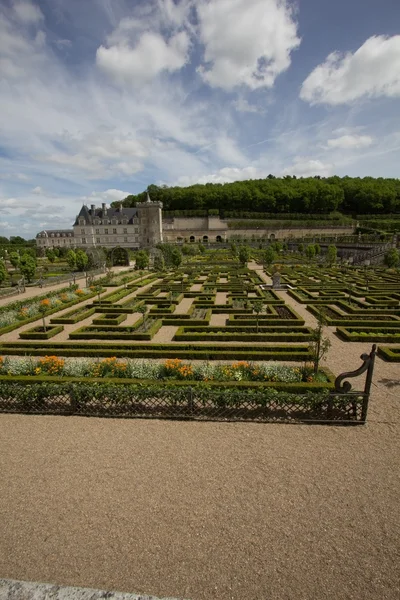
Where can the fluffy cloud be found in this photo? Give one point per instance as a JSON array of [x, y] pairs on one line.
[[107, 196], [27, 12], [308, 167], [151, 56], [245, 43], [350, 141], [5, 225], [372, 71]]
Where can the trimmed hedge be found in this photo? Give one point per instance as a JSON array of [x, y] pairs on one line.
[[110, 332], [69, 319], [34, 334], [298, 387], [276, 334], [377, 334], [110, 319], [183, 351], [389, 353]]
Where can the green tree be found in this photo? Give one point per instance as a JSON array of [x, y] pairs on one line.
[[3, 271], [51, 255], [331, 256], [244, 255], [202, 248], [14, 259], [176, 257], [270, 256], [317, 249], [310, 251], [233, 249], [27, 267], [71, 259], [319, 345], [392, 258], [159, 263], [142, 260], [258, 308], [81, 260], [300, 248], [143, 310]]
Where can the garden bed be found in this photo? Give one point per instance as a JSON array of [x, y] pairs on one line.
[[39, 333]]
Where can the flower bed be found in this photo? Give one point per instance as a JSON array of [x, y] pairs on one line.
[[23, 312], [171, 370]]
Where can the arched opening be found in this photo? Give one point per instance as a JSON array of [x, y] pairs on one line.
[[179, 240], [119, 256], [272, 237], [192, 239], [218, 239], [205, 239]]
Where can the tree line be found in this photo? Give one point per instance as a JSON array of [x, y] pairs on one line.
[[316, 195]]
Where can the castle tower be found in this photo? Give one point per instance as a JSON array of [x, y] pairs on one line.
[[150, 222]]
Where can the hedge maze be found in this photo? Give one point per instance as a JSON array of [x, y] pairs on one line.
[[209, 310], [363, 304]]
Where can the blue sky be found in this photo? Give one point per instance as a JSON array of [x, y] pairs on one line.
[[100, 98]]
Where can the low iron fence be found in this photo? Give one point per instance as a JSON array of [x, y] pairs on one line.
[[116, 399]]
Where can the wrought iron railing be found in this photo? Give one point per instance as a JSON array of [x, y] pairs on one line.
[[265, 404]]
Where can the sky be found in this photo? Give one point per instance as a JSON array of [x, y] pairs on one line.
[[101, 98]]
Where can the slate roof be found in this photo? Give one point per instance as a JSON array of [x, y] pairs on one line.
[[112, 213]]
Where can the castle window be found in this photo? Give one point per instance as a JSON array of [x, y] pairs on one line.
[[97, 240], [125, 239], [106, 231], [114, 230], [83, 240], [82, 231], [125, 230], [97, 231]]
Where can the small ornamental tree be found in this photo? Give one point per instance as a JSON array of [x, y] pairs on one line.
[[159, 262], [125, 281], [3, 271], [244, 255], [270, 256], [142, 260], [319, 344], [44, 306], [317, 249], [310, 251], [14, 259], [81, 260], [258, 308], [143, 310], [176, 257], [234, 250], [51, 255], [392, 258], [300, 248], [331, 256], [27, 267], [71, 259]]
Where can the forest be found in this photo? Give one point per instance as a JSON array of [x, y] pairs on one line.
[[316, 195]]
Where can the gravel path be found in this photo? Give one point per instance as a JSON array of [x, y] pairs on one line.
[[224, 511]]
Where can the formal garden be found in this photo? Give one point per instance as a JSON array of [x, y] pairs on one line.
[[215, 337]]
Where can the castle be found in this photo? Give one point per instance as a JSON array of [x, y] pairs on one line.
[[139, 227], [144, 226]]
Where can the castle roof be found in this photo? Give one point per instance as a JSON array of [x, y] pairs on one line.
[[105, 213]]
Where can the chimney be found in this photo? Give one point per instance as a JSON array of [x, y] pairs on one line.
[[92, 209], [104, 208]]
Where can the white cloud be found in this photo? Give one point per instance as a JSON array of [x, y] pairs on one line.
[[242, 105], [350, 141], [308, 167], [107, 196], [27, 12], [38, 190], [246, 43], [6, 226], [225, 175], [151, 56], [372, 71]]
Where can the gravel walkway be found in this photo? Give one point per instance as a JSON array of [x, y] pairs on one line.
[[224, 511]]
